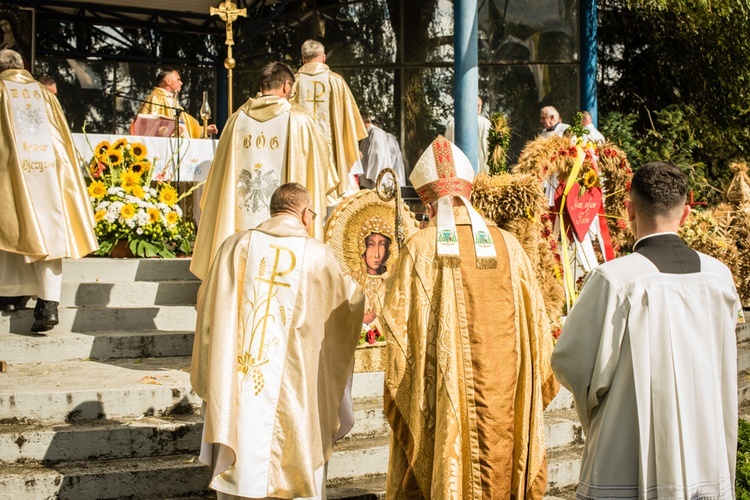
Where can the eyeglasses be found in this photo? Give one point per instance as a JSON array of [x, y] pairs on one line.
[[314, 215]]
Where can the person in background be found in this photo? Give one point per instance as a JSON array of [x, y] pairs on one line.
[[484, 129], [551, 124], [48, 82], [593, 134]]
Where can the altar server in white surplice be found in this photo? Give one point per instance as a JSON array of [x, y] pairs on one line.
[[45, 212], [267, 142], [649, 353], [327, 97], [278, 324]]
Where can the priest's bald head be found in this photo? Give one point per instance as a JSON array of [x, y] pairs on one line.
[[10, 59], [292, 199], [657, 199]]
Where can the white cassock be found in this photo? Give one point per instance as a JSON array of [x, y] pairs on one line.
[[376, 155], [484, 130], [651, 360], [557, 131]]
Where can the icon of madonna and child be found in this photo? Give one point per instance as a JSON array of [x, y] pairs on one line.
[[361, 231]]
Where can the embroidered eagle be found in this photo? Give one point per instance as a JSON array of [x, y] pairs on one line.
[[254, 189]]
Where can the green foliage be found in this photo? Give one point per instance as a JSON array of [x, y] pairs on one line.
[[691, 60], [669, 137], [498, 142], [742, 484]]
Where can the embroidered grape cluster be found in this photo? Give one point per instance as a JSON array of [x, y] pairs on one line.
[[258, 381]]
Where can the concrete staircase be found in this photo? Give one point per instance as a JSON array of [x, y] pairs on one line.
[[101, 406]]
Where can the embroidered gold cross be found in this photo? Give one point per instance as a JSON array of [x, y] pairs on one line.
[[275, 273], [314, 99]]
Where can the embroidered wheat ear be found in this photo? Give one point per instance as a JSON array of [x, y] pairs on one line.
[[262, 268], [283, 315]]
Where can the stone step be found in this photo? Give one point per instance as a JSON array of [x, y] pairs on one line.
[[57, 346], [88, 390], [100, 440], [743, 356], [135, 478], [89, 319], [129, 294], [105, 270]]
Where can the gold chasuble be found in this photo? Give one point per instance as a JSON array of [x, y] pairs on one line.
[[266, 143], [327, 97], [160, 103], [45, 213], [468, 373], [278, 324]]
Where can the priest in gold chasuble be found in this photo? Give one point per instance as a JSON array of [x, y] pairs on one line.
[[327, 97], [267, 142], [278, 324], [164, 99], [468, 345], [45, 212]]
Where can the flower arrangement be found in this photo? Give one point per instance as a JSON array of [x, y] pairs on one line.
[[370, 334], [132, 205]]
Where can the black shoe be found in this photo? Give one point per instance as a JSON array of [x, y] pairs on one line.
[[45, 314], [11, 304]]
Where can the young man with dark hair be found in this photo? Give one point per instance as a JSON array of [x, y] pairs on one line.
[[267, 142], [649, 353]]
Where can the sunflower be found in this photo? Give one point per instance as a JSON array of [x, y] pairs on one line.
[[101, 149], [138, 150], [138, 191], [99, 215], [590, 179], [168, 195], [97, 190], [172, 218], [141, 167], [113, 157], [154, 214], [128, 180], [127, 211], [119, 144]]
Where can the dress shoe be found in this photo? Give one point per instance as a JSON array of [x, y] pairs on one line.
[[11, 304], [45, 314]]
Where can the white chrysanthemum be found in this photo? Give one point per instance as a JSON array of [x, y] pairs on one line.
[[130, 222], [177, 209], [116, 190], [153, 192], [102, 205], [139, 231], [142, 218], [162, 206]]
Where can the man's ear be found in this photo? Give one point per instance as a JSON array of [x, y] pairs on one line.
[[630, 209], [685, 212]]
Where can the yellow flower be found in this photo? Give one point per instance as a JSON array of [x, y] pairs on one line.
[[137, 191], [128, 180], [114, 157], [141, 167], [127, 211], [138, 151], [119, 144], [172, 218], [168, 195], [101, 149], [590, 179], [97, 190], [154, 214], [99, 215]]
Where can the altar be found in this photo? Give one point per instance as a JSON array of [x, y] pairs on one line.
[[194, 156]]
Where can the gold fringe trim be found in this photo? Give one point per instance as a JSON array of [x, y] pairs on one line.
[[486, 263], [451, 261]]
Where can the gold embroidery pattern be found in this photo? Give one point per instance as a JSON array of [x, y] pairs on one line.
[[262, 308]]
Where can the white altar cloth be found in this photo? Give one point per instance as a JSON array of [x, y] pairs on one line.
[[195, 155]]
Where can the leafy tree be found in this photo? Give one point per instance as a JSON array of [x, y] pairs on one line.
[[687, 59]]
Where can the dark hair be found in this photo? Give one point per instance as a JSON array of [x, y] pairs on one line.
[[658, 188], [382, 268], [289, 197], [163, 73], [273, 75]]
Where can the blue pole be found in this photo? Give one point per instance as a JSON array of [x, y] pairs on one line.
[[588, 59], [221, 96], [466, 73]]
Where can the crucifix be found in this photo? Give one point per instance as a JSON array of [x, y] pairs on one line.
[[228, 12]]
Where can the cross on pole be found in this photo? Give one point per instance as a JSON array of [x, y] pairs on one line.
[[694, 203], [228, 12]]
